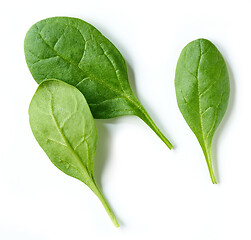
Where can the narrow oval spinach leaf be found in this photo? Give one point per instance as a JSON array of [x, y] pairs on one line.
[[202, 90], [63, 125], [74, 51]]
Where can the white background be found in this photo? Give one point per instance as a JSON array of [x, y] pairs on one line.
[[154, 192]]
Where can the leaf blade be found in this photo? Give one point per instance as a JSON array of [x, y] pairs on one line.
[[94, 55], [62, 124], [50, 125], [202, 91]]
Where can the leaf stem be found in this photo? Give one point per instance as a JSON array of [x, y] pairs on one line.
[[212, 175], [210, 166], [147, 119], [98, 193]]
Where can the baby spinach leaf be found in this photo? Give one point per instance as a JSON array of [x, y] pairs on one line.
[[63, 125], [75, 52], [202, 90]]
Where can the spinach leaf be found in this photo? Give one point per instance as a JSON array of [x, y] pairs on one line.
[[75, 52], [63, 125], [202, 90]]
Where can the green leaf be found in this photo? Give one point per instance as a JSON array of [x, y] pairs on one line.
[[63, 125], [202, 90], [75, 52]]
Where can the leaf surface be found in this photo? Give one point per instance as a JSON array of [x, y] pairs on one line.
[[202, 91], [75, 52], [63, 125]]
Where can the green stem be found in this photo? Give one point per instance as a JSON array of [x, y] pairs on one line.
[[98, 193], [147, 119], [210, 166]]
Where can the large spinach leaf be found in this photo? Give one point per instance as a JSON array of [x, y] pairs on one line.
[[63, 125], [202, 90], [74, 51]]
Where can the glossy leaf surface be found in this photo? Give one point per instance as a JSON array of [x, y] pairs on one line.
[[63, 125], [74, 51], [202, 90]]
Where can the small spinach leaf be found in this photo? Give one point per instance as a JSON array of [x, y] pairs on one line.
[[74, 51], [63, 125], [202, 90]]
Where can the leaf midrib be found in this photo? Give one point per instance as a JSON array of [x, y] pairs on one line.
[[85, 172], [199, 96], [204, 147], [92, 77]]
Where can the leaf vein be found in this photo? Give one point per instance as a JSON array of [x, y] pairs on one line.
[[81, 81], [113, 65], [58, 40], [67, 119], [101, 102], [80, 142], [187, 102], [206, 110], [44, 59], [199, 107], [53, 140], [90, 76], [65, 139], [214, 122], [212, 83]]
